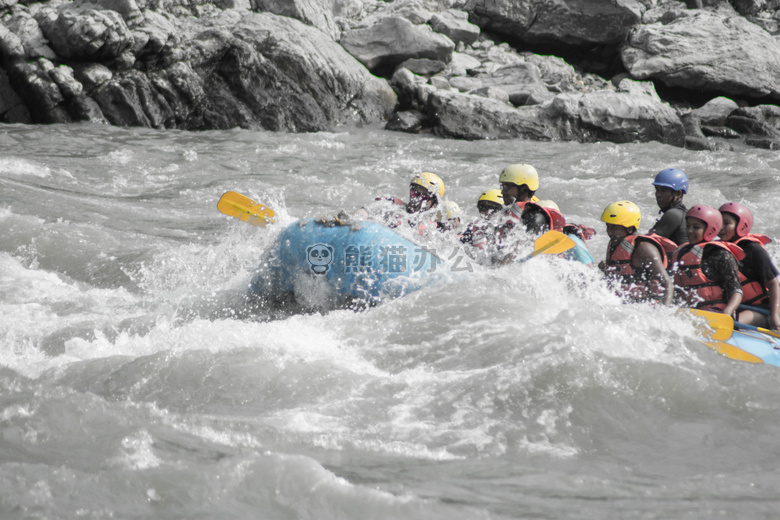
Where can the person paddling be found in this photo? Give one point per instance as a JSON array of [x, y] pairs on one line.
[[635, 263], [426, 190], [760, 285], [705, 270], [671, 185]]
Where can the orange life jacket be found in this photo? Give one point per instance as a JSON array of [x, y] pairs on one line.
[[754, 292], [618, 265], [700, 292]]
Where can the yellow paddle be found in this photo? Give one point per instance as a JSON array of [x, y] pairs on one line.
[[551, 243], [246, 209], [721, 326]]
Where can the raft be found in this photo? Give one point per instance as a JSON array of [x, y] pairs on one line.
[[735, 340], [368, 262], [750, 346]]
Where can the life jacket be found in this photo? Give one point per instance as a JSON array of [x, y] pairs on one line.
[[618, 266], [754, 292], [700, 292]]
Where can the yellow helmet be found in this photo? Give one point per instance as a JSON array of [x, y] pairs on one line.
[[449, 209], [623, 213], [493, 195], [547, 204], [520, 174], [431, 182]]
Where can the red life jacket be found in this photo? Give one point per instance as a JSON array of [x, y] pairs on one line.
[[754, 292], [700, 292], [618, 265]]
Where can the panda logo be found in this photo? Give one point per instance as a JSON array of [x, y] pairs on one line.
[[319, 256]]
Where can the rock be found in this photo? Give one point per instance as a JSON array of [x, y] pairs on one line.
[[25, 27], [11, 47], [440, 83], [92, 75], [570, 22], [465, 84], [759, 121], [619, 117], [456, 26], [463, 116], [12, 107], [762, 142], [86, 34], [692, 125], [317, 13], [496, 93], [157, 41], [706, 51], [522, 81], [715, 111], [461, 65], [343, 89], [410, 121], [391, 41], [423, 66], [719, 131], [702, 143], [127, 8]]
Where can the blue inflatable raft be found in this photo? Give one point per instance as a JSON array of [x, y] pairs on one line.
[[750, 346], [369, 262]]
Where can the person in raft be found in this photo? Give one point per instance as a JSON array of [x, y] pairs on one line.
[[705, 270], [448, 216], [671, 185], [636, 264], [489, 204], [537, 220], [426, 190], [760, 286], [519, 183]]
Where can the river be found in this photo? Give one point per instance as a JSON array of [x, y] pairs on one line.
[[135, 381]]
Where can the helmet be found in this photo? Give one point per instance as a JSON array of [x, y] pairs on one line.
[[493, 195], [520, 174], [538, 219], [449, 210], [710, 216], [672, 178], [744, 217], [623, 213], [431, 182], [547, 204]]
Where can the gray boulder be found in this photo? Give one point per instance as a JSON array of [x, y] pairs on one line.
[[706, 51], [571, 22], [627, 115], [464, 116], [715, 111], [83, 33], [317, 13], [522, 82], [393, 40], [456, 26]]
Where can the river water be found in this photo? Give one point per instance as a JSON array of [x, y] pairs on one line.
[[136, 382]]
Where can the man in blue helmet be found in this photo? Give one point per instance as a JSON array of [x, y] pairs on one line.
[[671, 185]]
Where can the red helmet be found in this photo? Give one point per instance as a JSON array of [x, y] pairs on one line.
[[553, 218], [744, 217], [710, 216]]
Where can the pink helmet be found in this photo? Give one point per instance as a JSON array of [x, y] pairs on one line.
[[744, 217], [710, 216]]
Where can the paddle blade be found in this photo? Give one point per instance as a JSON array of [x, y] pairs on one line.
[[552, 243], [246, 209], [719, 326]]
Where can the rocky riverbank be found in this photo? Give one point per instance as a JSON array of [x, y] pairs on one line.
[[602, 70]]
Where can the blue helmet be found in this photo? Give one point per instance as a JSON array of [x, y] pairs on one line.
[[672, 178]]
